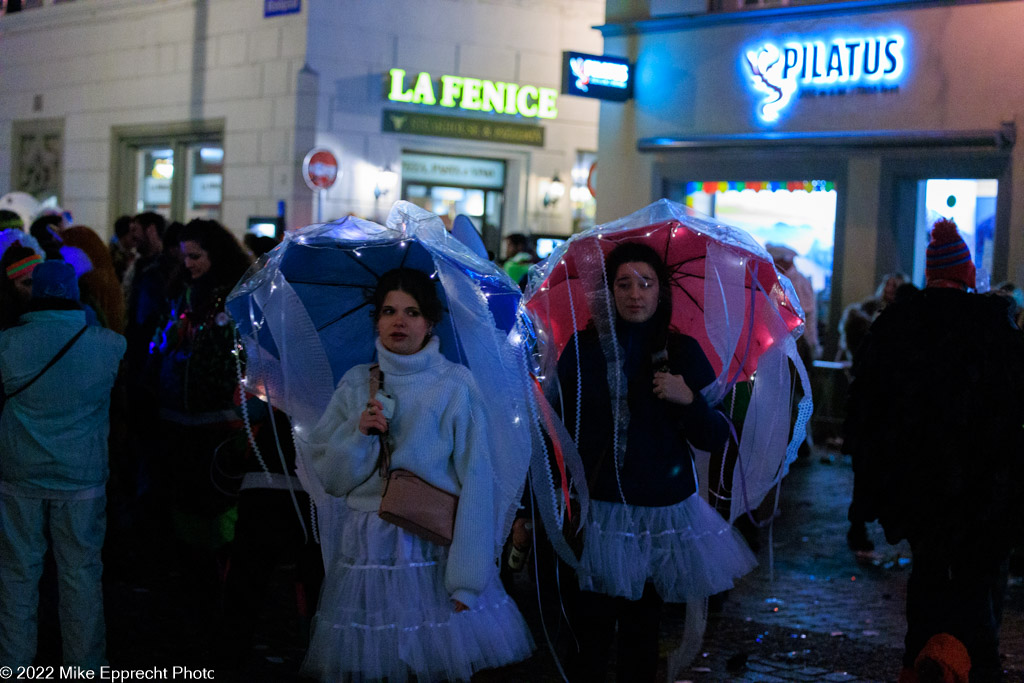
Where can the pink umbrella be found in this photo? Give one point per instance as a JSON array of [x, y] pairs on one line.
[[726, 292]]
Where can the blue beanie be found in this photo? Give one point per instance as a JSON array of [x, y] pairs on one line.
[[55, 280]]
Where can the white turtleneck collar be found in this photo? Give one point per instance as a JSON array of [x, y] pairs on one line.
[[396, 364]]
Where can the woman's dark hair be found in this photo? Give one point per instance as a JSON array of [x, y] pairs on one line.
[[45, 229], [635, 252], [416, 284], [228, 260], [172, 236]]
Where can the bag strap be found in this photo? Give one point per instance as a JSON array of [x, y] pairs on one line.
[[384, 461], [53, 361]]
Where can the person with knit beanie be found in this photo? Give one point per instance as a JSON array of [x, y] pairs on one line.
[[57, 374], [933, 423], [17, 264], [947, 259]]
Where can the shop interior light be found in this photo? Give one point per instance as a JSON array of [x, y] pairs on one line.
[[386, 179], [211, 155], [556, 188], [163, 169]]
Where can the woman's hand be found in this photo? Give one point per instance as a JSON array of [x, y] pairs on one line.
[[672, 388], [459, 607], [372, 420]]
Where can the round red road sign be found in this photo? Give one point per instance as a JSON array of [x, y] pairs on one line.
[[320, 169]]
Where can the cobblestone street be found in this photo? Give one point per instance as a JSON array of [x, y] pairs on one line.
[[826, 615], [817, 612]]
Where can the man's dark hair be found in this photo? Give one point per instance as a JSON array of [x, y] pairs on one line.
[[148, 218], [519, 242], [122, 225], [45, 230], [416, 284], [172, 236]]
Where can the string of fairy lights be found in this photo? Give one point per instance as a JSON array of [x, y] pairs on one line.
[[714, 186]]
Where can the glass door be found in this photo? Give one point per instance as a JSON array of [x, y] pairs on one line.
[[154, 172], [968, 202], [204, 180], [180, 176]]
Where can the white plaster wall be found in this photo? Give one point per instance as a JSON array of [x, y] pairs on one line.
[[354, 43], [105, 63]]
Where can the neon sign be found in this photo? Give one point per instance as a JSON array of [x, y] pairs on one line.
[[475, 94], [815, 67], [596, 76]]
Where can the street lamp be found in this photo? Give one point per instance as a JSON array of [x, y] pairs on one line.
[[556, 188]]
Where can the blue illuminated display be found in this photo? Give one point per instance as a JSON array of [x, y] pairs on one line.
[[597, 76], [811, 67]]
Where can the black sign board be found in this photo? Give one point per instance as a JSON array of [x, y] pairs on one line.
[[412, 123], [597, 76]]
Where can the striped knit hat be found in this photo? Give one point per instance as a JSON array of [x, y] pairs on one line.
[[947, 257], [25, 262]]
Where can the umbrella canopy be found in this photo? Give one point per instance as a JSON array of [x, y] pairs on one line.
[[303, 312], [333, 270], [726, 294]]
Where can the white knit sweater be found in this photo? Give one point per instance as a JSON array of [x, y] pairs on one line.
[[437, 432]]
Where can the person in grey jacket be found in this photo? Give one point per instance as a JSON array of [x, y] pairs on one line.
[[53, 467]]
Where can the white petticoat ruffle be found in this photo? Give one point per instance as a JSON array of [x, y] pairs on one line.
[[384, 613], [687, 550]]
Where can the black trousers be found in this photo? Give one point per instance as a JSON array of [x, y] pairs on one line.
[[594, 619], [960, 592], [268, 536]]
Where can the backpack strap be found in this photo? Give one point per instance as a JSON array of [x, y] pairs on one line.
[[53, 361]]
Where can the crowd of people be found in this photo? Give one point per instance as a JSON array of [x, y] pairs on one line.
[[123, 407], [123, 419]]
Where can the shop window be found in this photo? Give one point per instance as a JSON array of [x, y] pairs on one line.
[[453, 185], [180, 176], [799, 214]]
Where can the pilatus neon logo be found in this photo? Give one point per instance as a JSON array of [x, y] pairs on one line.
[[813, 67]]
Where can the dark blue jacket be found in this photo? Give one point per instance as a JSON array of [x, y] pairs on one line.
[[657, 469]]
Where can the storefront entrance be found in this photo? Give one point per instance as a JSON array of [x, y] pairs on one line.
[[971, 189], [971, 204], [450, 185]]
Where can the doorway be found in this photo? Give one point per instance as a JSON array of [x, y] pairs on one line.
[[972, 190], [450, 185], [968, 202], [178, 174]]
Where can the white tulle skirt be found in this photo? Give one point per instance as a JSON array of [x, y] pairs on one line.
[[384, 613], [687, 550]]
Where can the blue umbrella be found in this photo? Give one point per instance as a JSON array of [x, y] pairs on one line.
[[333, 269], [304, 315]]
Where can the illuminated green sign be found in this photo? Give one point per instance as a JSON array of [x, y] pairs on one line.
[[474, 94]]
